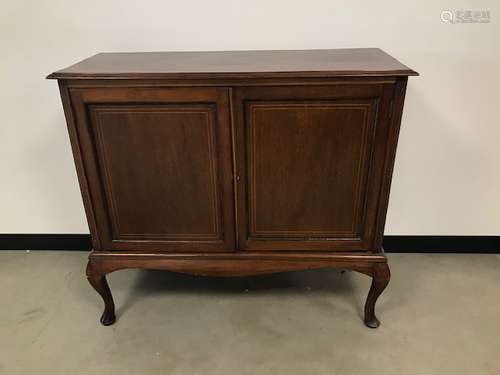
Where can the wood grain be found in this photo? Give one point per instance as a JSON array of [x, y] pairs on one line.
[[309, 165], [159, 167], [225, 64]]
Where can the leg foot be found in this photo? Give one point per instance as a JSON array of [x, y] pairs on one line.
[[373, 323], [99, 283], [381, 276]]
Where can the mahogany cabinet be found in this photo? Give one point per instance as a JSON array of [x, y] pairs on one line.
[[235, 163]]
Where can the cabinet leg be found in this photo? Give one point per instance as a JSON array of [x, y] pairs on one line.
[[381, 276], [98, 281]]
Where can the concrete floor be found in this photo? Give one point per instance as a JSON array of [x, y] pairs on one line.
[[440, 315]]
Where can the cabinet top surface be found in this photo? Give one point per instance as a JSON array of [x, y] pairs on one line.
[[359, 62]]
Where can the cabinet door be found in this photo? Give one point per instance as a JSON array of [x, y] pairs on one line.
[[158, 167], [310, 165]]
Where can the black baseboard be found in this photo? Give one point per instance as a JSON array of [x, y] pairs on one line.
[[442, 244], [45, 242], [392, 244]]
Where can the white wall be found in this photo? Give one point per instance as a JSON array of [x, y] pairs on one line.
[[447, 175]]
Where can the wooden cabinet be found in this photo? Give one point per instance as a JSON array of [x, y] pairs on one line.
[[235, 163]]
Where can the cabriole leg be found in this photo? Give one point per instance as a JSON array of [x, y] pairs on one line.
[[381, 276], [98, 281]]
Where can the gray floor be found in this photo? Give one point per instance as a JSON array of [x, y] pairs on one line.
[[440, 315]]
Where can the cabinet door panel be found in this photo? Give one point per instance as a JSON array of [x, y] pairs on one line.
[[159, 162], [306, 163]]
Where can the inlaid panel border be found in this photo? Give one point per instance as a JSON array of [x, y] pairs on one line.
[[208, 110], [367, 106]]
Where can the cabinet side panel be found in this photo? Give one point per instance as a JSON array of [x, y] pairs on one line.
[[79, 165], [394, 125]]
